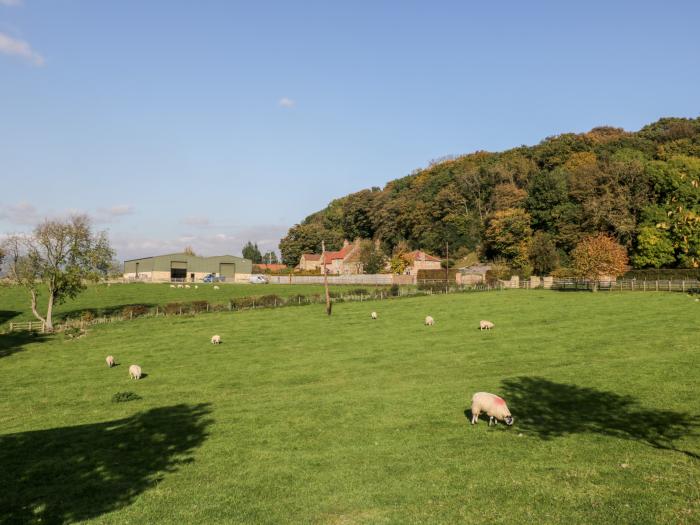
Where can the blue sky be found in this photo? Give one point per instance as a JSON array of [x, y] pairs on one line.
[[210, 123]]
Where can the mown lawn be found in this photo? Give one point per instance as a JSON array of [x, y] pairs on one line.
[[105, 300], [301, 418]]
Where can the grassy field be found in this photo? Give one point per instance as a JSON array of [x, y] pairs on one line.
[[14, 300], [301, 418]]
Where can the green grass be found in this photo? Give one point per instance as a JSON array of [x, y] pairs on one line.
[[15, 305], [301, 418]]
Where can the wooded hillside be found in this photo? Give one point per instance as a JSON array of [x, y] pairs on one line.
[[643, 188]]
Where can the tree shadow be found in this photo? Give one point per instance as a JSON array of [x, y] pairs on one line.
[[6, 315], [550, 410], [69, 474], [14, 342]]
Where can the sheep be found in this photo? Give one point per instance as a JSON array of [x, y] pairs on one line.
[[110, 361], [187, 286], [172, 286], [195, 286], [373, 315], [179, 286], [494, 407], [485, 325], [216, 339], [134, 372], [429, 321], [216, 287]]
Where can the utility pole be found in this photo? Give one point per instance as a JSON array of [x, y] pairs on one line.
[[325, 278], [447, 264]]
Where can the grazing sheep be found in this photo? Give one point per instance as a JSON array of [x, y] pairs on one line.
[[195, 286], [216, 339], [429, 321], [110, 361], [179, 286], [216, 287], [134, 372], [187, 286], [172, 286], [373, 315], [494, 407], [485, 325]]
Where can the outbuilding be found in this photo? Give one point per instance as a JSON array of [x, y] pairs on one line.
[[183, 267]]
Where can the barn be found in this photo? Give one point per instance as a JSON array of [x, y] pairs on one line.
[[183, 267]]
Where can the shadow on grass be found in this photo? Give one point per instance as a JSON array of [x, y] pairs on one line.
[[69, 474], [15, 342], [7, 315], [551, 410]]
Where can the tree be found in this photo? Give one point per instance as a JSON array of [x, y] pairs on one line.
[[270, 258], [543, 254], [506, 231], [599, 257], [371, 257], [252, 252], [654, 248], [303, 238], [61, 255], [189, 251]]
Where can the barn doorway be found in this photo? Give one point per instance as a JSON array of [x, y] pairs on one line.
[[178, 271]]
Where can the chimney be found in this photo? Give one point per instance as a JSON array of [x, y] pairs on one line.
[[345, 243]]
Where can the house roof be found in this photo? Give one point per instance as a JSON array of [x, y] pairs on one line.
[[311, 256], [272, 267], [418, 255], [340, 254], [476, 268]]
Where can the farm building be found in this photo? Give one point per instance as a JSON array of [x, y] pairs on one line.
[[182, 267]]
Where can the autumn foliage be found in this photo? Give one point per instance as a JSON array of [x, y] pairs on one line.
[[598, 257]]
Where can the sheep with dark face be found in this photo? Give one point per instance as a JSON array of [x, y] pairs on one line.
[[493, 406], [429, 321], [486, 325], [216, 339], [373, 315]]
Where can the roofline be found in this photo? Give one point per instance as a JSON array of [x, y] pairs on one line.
[[187, 255]]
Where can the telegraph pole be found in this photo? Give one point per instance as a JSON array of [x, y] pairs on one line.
[[325, 278]]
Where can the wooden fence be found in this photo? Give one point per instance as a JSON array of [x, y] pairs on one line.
[[26, 325]]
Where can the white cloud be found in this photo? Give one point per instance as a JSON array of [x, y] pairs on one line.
[[10, 3], [20, 48], [285, 102], [23, 213], [118, 210]]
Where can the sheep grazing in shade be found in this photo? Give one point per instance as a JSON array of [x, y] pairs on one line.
[[216, 287], [429, 321], [134, 372], [216, 339], [493, 406], [110, 361], [486, 325], [373, 315]]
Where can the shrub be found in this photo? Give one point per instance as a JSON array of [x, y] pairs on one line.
[[499, 271], [269, 300], [135, 310], [173, 308], [358, 291], [241, 303], [125, 397], [199, 306], [87, 315], [298, 299], [394, 291]]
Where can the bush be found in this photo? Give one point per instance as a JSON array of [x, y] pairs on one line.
[[125, 397], [199, 306], [135, 310], [87, 316], [394, 291], [434, 287], [499, 271], [562, 273], [358, 291], [298, 299], [269, 300], [241, 303], [173, 308]]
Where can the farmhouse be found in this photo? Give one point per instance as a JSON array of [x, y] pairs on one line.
[[421, 261], [309, 262], [345, 261], [182, 267]]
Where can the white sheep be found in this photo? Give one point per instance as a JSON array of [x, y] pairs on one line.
[[179, 286], [429, 321], [195, 286], [373, 315], [216, 339], [494, 407], [187, 286], [486, 325], [172, 286], [134, 372], [216, 287], [110, 361]]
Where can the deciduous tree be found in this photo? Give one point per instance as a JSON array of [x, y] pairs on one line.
[[599, 256]]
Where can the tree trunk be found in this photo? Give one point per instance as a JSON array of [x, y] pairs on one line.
[[34, 310], [49, 313]]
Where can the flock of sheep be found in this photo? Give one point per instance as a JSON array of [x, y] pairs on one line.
[[490, 404], [188, 286]]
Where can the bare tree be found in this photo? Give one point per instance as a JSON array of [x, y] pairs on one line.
[[60, 255]]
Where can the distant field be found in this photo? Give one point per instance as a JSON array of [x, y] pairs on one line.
[[302, 418], [14, 301]]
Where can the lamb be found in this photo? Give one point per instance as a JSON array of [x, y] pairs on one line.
[[110, 361], [373, 315], [485, 325], [429, 321], [134, 372], [216, 339], [216, 287], [494, 407]]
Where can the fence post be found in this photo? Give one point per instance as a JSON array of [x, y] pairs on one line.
[[11, 326], [657, 285], [669, 285], [684, 285]]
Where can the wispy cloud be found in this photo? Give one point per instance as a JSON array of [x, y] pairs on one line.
[[195, 220], [22, 213], [10, 3], [285, 102], [118, 210], [21, 49]]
